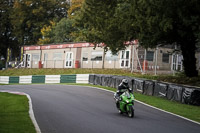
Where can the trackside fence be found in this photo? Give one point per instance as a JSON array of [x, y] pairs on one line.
[[174, 92]]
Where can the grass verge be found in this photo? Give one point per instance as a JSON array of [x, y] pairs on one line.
[[14, 114], [187, 111]]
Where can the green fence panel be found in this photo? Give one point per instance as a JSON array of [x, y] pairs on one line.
[[13, 79], [68, 79], [38, 79]]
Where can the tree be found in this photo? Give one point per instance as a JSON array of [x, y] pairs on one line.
[[29, 17], [170, 22], [75, 6], [62, 31], [105, 22], [7, 40], [153, 22], [57, 32], [47, 34]]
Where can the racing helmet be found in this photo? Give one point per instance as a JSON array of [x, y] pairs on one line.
[[125, 82]]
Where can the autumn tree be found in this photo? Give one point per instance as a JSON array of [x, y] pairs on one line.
[[64, 30], [75, 6], [57, 32], [47, 34], [29, 17]]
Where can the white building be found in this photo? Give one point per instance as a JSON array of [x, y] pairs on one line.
[[83, 55]]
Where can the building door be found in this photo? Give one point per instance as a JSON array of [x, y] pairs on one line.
[[26, 60], [125, 59], [177, 64], [69, 60], [28, 57]]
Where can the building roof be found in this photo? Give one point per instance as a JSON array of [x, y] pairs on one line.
[[58, 46]]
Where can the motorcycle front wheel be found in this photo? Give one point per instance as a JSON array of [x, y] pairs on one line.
[[131, 112], [120, 111]]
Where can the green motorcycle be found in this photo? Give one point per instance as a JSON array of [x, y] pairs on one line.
[[125, 102]]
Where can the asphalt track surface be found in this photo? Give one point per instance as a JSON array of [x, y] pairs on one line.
[[77, 109]]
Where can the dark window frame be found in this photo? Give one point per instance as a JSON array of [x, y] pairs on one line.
[[165, 57], [150, 56]]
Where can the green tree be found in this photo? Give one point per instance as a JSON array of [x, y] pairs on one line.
[[170, 22], [153, 22], [79, 32], [7, 40], [29, 17], [57, 32], [62, 31], [105, 21]]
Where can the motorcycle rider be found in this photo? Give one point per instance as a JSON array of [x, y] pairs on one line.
[[122, 86]]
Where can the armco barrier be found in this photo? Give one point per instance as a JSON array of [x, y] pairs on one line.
[[187, 95], [148, 87], [38, 79], [82, 78], [160, 89], [68, 78], [112, 82], [191, 96], [25, 79], [174, 92], [52, 79], [4, 79], [138, 85], [106, 80], [91, 79], [97, 79], [13, 79]]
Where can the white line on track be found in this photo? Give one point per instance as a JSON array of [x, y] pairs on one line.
[[31, 114]]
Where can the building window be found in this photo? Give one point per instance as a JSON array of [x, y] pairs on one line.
[[69, 59], [165, 58], [125, 58], [85, 57], [150, 55], [35, 57], [57, 56], [110, 57], [97, 56]]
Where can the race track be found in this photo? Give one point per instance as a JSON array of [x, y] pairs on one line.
[[76, 109]]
